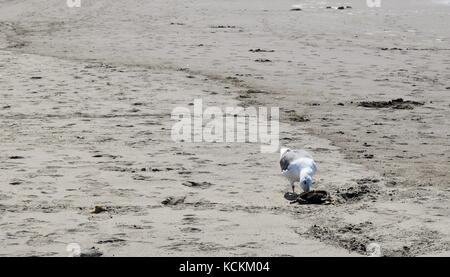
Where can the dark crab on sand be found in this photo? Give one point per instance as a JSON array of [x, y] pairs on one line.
[[310, 197]]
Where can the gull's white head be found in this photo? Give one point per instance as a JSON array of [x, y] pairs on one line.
[[283, 150], [306, 183]]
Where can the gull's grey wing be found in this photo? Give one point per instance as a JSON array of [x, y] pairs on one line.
[[292, 155]]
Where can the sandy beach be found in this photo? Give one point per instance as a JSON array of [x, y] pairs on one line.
[[86, 96]]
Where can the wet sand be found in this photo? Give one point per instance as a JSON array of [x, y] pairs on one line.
[[85, 120]]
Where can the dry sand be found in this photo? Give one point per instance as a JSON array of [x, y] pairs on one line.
[[86, 96]]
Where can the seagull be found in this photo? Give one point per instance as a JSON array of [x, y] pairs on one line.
[[297, 166]]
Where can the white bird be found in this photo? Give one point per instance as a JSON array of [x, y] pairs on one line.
[[297, 166]]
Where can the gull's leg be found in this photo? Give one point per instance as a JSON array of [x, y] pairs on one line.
[[293, 187]]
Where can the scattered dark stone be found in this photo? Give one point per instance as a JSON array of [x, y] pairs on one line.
[[140, 177], [256, 91], [202, 185], [339, 7], [191, 230], [36, 78], [381, 80], [223, 27], [394, 104], [263, 61], [392, 49], [258, 50], [18, 45], [296, 9], [16, 157], [184, 172], [105, 156], [110, 241], [234, 79], [15, 183], [173, 201], [6, 107], [98, 209], [340, 104]]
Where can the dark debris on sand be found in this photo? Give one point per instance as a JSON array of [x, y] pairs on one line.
[[339, 7], [263, 61], [16, 157], [113, 240], [259, 50], [223, 27], [398, 103], [173, 201], [98, 209], [193, 184]]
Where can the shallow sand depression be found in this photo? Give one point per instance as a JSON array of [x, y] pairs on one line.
[[85, 120]]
